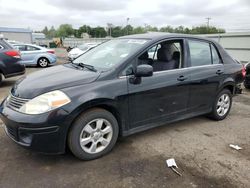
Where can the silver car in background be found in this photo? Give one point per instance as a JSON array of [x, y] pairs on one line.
[[81, 49], [33, 55]]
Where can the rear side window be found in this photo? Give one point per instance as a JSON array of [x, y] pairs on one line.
[[215, 55], [1, 47], [200, 53]]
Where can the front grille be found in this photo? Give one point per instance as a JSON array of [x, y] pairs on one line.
[[15, 102]]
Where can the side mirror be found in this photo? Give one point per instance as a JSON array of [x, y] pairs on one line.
[[144, 71]]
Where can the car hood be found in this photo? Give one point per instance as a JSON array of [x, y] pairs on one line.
[[50, 79]]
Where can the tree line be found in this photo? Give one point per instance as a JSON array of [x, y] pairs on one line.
[[66, 30]]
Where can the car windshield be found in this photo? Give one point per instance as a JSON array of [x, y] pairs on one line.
[[110, 53], [83, 47]]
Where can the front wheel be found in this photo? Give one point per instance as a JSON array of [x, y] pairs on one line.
[[93, 134], [222, 105]]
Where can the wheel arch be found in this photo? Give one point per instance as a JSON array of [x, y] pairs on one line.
[[1, 71], [106, 104], [228, 84], [40, 57], [97, 103]]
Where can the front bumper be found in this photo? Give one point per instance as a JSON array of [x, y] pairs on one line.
[[45, 133]]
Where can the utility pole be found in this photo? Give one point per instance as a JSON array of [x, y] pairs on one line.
[[208, 21], [127, 26], [110, 28]]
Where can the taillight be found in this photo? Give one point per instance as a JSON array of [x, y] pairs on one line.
[[243, 71], [13, 53], [51, 51]]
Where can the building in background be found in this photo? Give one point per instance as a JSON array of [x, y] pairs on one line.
[[38, 36], [236, 44], [16, 34]]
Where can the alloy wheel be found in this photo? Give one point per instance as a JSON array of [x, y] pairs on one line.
[[223, 104], [43, 62], [96, 136]]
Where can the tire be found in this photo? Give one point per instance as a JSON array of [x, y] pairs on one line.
[[222, 105], [246, 86], [43, 62], [97, 139], [1, 78]]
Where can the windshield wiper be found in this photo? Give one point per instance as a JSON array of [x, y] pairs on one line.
[[89, 67]]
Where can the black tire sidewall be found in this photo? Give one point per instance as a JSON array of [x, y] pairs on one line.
[[1, 78], [80, 123], [214, 114], [246, 86], [41, 59]]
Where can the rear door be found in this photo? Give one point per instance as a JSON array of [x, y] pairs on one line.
[[207, 71], [23, 48], [29, 54]]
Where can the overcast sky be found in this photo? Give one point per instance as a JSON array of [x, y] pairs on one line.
[[233, 15]]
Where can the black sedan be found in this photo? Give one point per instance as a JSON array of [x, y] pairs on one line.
[[247, 79], [121, 87], [9, 61]]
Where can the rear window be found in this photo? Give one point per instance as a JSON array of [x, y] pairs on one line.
[[5, 45]]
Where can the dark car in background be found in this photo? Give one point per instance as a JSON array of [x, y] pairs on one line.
[[9, 61], [118, 89], [247, 79]]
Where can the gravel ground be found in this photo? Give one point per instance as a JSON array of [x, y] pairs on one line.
[[200, 147]]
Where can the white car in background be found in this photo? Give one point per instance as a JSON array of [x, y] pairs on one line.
[[81, 49]]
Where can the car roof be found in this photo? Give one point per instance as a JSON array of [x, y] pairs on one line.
[[161, 35], [33, 45]]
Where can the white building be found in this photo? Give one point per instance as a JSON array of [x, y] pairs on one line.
[[236, 44], [16, 34]]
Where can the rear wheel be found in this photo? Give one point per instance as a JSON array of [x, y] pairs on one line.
[[43, 62], [246, 85], [222, 105], [93, 134], [1, 78]]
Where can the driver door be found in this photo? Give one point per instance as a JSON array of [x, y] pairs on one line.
[[161, 97]]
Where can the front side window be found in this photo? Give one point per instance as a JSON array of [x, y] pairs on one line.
[[163, 56], [200, 53], [111, 53], [1, 47]]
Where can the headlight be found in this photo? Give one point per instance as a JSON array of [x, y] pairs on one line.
[[45, 102]]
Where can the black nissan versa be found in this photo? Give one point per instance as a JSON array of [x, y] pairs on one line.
[[247, 78], [121, 87]]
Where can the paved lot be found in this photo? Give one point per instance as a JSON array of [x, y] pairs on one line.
[[200, 147]]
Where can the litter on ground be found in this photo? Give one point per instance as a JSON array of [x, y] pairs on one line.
[[172, 164], [235, 147]]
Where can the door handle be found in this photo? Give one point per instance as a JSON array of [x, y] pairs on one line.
[[182, 78], [219, 72]]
